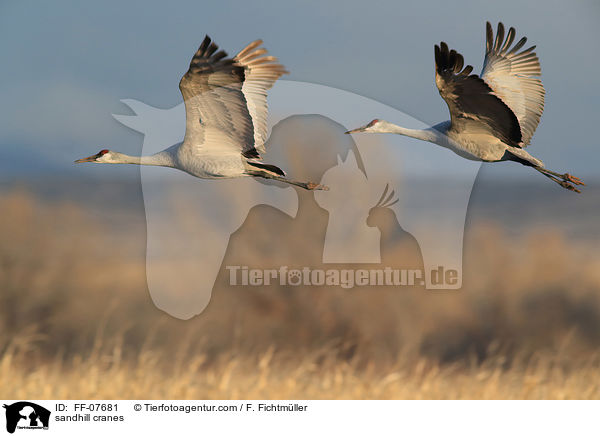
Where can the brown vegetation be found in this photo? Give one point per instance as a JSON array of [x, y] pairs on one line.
[[76, 321]]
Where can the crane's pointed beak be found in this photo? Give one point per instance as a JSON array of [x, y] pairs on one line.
[[357, 130], [87, 159]]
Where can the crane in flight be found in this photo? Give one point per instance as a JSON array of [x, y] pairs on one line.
[[492, 116], [226, 118]]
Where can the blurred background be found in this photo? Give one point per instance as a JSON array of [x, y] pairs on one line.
[[74, 304]]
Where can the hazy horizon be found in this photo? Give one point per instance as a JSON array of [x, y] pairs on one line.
[[69, 66]]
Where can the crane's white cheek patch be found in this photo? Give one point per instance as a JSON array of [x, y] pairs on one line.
[[203, 234]]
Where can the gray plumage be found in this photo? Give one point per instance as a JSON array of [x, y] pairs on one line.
[[226, 117], [493, 116]]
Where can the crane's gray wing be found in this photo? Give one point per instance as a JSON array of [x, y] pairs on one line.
[[472, 103], [261, 73], [218, 117], [514, 77]]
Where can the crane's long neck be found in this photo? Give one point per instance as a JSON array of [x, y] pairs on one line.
[[162, 159], [430, 135]]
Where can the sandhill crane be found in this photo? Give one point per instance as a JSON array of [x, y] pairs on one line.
[[492, 116], [226, 118]]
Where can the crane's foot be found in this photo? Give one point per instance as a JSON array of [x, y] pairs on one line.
[[575, 180], [566, 180], [568, 186], [316, 187]]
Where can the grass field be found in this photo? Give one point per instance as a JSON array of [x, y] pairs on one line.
[[76, 321]]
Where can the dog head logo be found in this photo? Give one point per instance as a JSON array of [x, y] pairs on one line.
[[26, 415]]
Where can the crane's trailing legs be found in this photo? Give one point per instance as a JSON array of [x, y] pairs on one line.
[[566, 180], [306, 185]]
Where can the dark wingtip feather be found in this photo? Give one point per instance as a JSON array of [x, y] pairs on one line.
[[489, 36], [442, 56], [211, 49], [509, 39], [499, 36], [452, 58], [518, 45], [207, 48], [219, 55], [205, 43], [460, 61], [449, 60]]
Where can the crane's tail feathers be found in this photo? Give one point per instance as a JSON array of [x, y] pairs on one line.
[[566, 180], [268, 168], [309, 186], [268, 171]]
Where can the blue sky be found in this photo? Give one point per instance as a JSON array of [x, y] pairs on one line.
[[67, 64]]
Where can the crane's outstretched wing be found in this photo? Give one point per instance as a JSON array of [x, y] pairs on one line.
[[219, 115], [513, 76], [261, 73], [471, 102]]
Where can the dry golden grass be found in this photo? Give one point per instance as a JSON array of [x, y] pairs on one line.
[[76, 321], [271, 375]]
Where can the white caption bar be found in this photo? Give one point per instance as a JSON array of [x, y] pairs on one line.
[[298, 417]]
